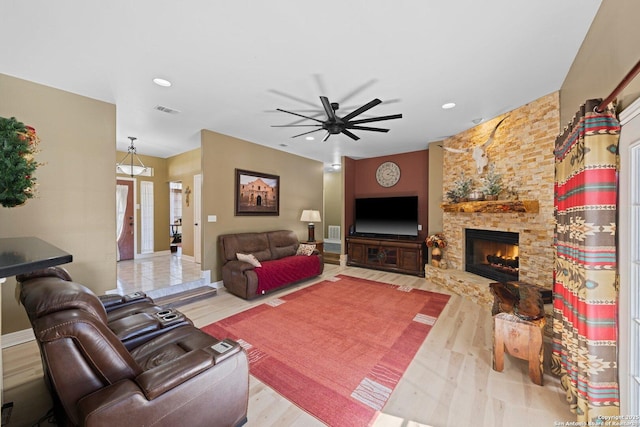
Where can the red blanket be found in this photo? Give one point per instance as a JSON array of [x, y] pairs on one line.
[[275, 273]]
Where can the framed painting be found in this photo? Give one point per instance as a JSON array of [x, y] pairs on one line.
[[257, 193]]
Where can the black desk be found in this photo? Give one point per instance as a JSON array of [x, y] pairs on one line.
[[25, 254]]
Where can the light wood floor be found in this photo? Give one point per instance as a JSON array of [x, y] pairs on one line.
[[449, 383]]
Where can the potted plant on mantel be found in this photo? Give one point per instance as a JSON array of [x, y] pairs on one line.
[[461, 189], [18, 145], [492, 183]]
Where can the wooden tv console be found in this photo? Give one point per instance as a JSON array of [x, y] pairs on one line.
[[400, 256]]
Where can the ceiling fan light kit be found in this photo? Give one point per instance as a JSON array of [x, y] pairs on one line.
[[335, 125]]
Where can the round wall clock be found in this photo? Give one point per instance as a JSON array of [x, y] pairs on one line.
[[388, 174]]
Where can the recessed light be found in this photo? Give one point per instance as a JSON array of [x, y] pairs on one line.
[[162, 82], [448, 105], [336, 166], [476, 121], [309, 138]]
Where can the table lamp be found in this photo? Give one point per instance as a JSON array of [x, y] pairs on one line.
[[311, 216]]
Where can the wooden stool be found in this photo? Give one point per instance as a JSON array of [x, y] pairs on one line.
[[522, 339]]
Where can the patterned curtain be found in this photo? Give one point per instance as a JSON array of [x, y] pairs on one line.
[[585, 302]]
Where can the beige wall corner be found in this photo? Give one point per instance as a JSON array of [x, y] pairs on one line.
[[435, 187], [608, 53], [75, 205], [183, 167]]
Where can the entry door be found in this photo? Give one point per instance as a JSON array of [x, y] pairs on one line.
[[126, 238], [197, 218]]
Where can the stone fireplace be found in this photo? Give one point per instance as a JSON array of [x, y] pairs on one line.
[[492, 254], [522, 151]]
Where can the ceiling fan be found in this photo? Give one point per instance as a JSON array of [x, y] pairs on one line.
[[335, 125]]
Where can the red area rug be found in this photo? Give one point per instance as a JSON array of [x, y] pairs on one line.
[[336, 349]]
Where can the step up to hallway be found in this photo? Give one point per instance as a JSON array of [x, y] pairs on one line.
[[185, 293]]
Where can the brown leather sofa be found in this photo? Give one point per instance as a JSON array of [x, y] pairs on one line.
[[275, 251], [179, 377]]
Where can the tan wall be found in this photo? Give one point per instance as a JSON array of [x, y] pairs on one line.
[[301, 187], [608, 53], [161, 228], [75, 206], [436, 161], [182, 168], [333, 200]]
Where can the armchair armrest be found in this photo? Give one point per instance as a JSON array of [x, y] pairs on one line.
[[159, 380], [204, 394], [135, 325], [112, 301], [239, 266], [240, 278]]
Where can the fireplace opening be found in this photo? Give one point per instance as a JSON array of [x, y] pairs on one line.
[[492, 254]]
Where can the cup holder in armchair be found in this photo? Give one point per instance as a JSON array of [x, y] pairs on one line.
[[170, 316]]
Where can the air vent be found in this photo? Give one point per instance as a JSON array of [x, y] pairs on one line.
[[166, 109]]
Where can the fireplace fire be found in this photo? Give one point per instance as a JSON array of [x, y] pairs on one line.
[[492, 254]]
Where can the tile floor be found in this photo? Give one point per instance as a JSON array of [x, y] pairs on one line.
[[157, 272]]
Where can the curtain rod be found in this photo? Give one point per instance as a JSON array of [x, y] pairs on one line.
[[627, 79]]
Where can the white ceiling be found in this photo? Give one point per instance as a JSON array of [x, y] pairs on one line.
[[232, 63]]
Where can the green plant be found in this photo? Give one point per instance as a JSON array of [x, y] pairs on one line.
[[452, 197], [492, 183], [461, 188], [18, 145]]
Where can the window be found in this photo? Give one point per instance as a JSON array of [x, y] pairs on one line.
[[146, 217], [175, 203]]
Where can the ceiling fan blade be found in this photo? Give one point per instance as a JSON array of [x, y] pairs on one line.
[[351, 107], [362, 109], [299, 115], [295, 98], [357, 91], [331, 115], [320, 82], [377, 119], [326, 137], [292, 126], [368, 128], [350, 135], [304, 133]]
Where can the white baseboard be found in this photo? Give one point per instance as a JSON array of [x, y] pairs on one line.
[[151, 254], [18, 337], [218, 285]]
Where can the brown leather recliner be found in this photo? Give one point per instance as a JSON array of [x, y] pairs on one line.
[[117, 306], [181, 377], [133, 324]]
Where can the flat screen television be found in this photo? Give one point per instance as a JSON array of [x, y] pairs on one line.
[[387, 217]]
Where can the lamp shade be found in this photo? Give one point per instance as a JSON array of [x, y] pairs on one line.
[[131, 170], [310, 216]]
